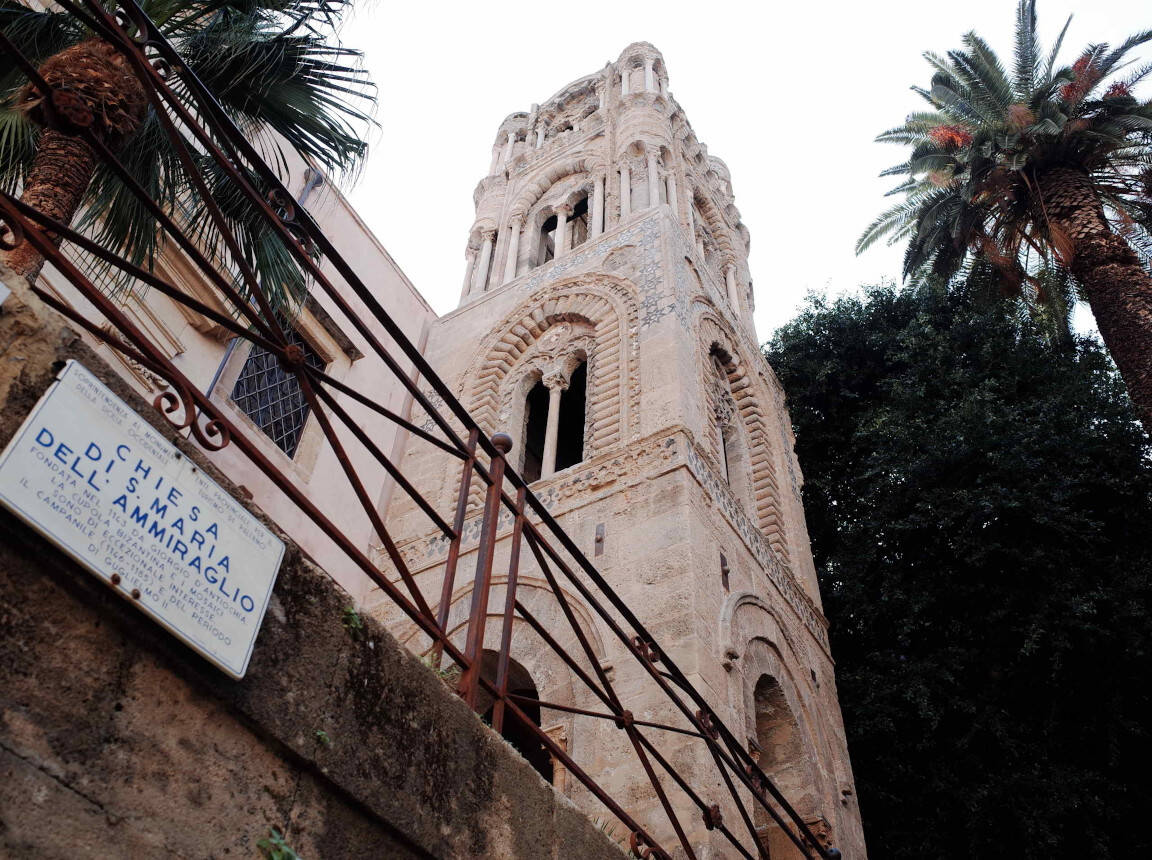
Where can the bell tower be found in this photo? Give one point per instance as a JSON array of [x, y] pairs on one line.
[[605, 324]]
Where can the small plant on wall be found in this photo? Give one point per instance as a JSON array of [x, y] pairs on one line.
[[273, 847]]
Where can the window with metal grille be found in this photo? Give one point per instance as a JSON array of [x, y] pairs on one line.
[[271, 396]]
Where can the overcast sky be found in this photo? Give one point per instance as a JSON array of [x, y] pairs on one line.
[[789, 95]]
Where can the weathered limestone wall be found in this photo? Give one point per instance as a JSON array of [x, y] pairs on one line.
[[117, 741]]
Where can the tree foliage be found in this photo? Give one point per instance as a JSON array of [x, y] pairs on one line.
[[978, 496], [973, 181], [275, 67]]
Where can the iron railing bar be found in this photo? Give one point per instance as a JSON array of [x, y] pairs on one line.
[[449, 582], [625, 724], [366, 502], [67, 233], [563, 654], [367, 401], [575, 769], [383, 459], [688, 790], [481, 582], [239, 143], [614, 717], [205, 406], [585, 592]]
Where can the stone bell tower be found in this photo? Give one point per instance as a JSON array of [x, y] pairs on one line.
[[605, 323]]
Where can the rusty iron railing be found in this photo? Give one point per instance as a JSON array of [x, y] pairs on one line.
[[197, 126]]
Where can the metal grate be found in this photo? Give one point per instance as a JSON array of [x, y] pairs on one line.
[[271, 397]]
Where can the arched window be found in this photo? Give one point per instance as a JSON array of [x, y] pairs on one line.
[[516, 731], [535, 430], [573, 407], [728, 430], [555, 415]]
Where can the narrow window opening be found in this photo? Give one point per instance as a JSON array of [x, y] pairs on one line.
[[570, 438], [535, 429], [547, 241], [579, 219], [725, 432]]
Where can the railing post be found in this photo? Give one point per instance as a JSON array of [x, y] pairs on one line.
[[509, 609], [449, 583], [482, 582]]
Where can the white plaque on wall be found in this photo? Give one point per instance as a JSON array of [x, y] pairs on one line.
[[101, 483]]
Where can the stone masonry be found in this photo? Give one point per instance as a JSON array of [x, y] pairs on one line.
[[608, 256]]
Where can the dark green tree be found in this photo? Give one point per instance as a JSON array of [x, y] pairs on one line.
[[979, 497]]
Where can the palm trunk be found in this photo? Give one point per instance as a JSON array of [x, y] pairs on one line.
[[1118, 287], [60, 174]]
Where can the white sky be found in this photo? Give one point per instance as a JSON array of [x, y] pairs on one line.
[[789, 95]]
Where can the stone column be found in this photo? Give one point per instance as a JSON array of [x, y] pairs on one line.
[[625, 73], [469, 270], [539, 137], [560, 240], [730, 283], [625, 191], [513, 248], [485, 261], [672, 201], [508, 147], [653, 179], [649, 77], [598, 206], [556, 384]]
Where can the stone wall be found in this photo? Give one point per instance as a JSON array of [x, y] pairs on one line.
[[118, 741]]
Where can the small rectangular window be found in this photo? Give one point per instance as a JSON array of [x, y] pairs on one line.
[[271, 396]]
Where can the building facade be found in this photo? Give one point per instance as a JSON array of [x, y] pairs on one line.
[[605, 323], [254, 392]]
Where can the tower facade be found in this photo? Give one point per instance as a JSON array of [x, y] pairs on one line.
[[605, 324]]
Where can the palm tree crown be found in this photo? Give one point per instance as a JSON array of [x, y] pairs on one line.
[[1046, 168], [273, 66]]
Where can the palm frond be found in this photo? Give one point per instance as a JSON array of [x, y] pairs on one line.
[[1027, 50], [1055, 52]]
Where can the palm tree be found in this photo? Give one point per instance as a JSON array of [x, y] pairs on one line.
[[273, 66], [1048, 168]]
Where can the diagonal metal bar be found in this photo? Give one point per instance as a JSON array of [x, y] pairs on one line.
[[380, 457]]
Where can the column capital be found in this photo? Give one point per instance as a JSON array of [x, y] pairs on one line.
[[487, 234], [516, 219], [563, 209], [470, 252], [555, 380]]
